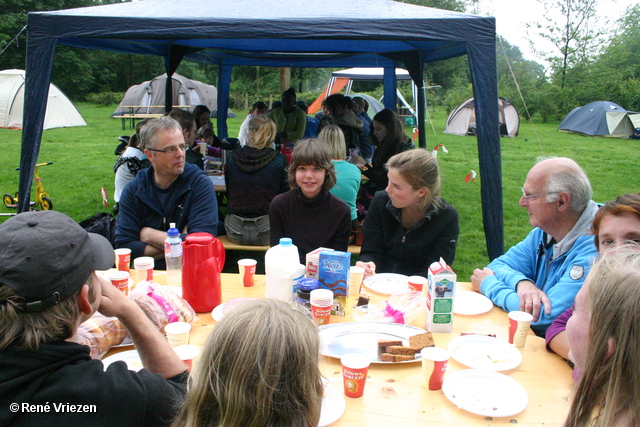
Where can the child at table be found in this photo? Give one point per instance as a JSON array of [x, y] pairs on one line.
[[604, 338], [309, 214], [254, 372]]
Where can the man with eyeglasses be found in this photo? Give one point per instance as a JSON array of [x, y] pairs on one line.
[[171, 190], [543, 273]]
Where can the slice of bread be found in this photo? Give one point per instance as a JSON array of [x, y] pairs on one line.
[[386, 343], [388, 357], [401, 349], [421, 341]]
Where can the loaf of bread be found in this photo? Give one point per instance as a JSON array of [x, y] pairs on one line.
[[421, 341], [161, 305], [388, 357], [101, 333]]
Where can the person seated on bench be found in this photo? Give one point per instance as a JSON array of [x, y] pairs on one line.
[[309, 214], [254, 175], [409, 225]]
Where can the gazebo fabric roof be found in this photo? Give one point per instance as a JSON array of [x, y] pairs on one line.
[[298, 33]]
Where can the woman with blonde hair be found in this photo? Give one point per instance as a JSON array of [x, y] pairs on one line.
[[309, 214], [604, 337], [259, 367], [348, 176], [409, 225], [254, 175]]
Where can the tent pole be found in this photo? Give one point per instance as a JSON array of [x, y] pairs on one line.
[[422, 106]]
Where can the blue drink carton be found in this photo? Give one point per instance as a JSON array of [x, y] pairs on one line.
[[333, 274]]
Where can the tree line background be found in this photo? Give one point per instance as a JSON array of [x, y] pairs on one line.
[[591, 61]]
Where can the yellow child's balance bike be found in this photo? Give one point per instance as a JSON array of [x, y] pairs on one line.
[[43, 202]]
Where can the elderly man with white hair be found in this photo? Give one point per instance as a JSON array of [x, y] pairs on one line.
[[543, 273]]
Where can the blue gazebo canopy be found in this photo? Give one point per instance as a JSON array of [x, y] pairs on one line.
[[300, 33]]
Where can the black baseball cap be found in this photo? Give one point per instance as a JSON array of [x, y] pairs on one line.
[[46, 257]]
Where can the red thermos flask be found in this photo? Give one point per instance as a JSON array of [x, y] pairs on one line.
[[202, 261]]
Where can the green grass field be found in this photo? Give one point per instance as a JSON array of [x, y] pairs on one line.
[[83, 164]]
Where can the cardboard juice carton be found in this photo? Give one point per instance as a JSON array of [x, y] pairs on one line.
[[313, 261], [333, 274], [440, 297]]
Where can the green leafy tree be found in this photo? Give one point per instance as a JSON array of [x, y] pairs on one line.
[[574, 35]]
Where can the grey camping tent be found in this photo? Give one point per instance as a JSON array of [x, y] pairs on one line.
[[148, 97], [340, 34], [600, 118], [462, 119]]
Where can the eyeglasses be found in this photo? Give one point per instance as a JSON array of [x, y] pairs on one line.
[[171, 150], [528, 196]]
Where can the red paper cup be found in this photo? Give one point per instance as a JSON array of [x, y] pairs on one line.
[[434, 364], [354, 373], [322, 314], [519, 324], [123, 258], [120, 279], [416, 283], [247, 269]]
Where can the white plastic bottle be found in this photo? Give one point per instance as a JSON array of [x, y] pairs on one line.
[[173, 256], [282, 268]]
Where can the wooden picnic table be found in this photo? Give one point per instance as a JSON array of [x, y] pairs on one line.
[[395, 394]]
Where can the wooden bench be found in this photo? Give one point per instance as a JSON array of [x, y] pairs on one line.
[[230, 246]]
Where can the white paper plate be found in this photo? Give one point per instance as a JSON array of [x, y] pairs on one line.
[[388, 283], [470, 303], [131, 358], [218, 312], [483, 352], [485, 393], [333, 406], [339, 339]]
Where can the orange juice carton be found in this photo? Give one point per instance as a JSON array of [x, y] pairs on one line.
[[313, 260], [333, 274], [440, 297]]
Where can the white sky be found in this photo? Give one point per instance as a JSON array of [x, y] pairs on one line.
[[512, 15]]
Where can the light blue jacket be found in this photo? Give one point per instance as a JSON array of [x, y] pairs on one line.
[[558, 270]]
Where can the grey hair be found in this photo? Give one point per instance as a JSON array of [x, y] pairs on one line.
[[151, 128], [570, 178]]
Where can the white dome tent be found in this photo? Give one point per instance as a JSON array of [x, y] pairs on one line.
[[462, 120], [60, 110]]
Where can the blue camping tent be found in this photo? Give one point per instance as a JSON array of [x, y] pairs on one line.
[[599, 118], [340, 33]]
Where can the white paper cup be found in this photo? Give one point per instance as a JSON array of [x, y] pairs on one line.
[[144, 268], [355, 276], [177, 333], [187, 353], [519, 327], [203, 148]]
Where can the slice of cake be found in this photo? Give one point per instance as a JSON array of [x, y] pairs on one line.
[[383, 344], [421, 341], [388, 357], [401, 349]]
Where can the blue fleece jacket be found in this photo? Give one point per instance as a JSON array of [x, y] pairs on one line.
[[189, 201], [559, 270]]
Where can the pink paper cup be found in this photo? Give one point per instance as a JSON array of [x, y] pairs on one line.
[[120, 279], [123, 258], [519, 325], [416, 283], [434, 364], [247, 269], [354, 373]]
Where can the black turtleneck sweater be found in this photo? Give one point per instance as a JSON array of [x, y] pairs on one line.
[[324, 221]]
